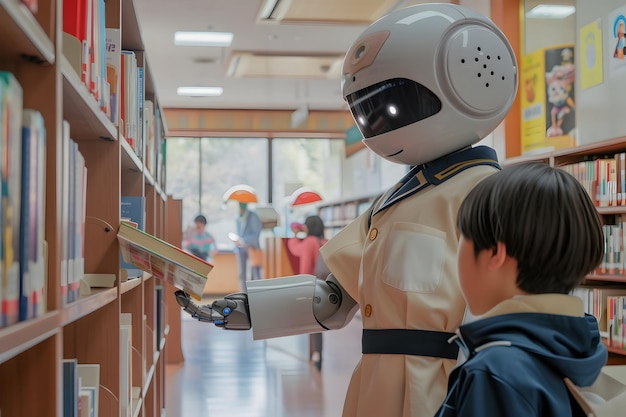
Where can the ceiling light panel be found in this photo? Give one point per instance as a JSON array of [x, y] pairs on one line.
[[220, 39], [200, 91], [248, 64], [324, 11], [551, 11]]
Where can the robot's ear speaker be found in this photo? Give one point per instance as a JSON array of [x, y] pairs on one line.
[[480, 71]]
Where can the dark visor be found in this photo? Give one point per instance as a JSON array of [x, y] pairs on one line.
[[390, 105]]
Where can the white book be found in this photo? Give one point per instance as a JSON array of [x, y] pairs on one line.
[[126, 347], [90, 382], [65, 207]]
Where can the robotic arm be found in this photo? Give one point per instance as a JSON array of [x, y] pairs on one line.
[[298, 304], [232, 312]]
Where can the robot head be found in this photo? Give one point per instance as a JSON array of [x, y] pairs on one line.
[[427, 80]]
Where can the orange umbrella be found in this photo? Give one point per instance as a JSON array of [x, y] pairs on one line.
[[242, 193], [304, 195]]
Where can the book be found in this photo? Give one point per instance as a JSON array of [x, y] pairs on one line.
[[70, 387], [126, 363], [89, 374], [113, 58], [65, 208], [32, 227], [11, 146], [159, 315], [133, 208], [163, 260], [77, 24], [606, 397]]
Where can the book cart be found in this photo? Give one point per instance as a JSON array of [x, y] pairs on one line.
[[88, 329], [601, 168]]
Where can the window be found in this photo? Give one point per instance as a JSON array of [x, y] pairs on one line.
[[312, 163], [200, 170]]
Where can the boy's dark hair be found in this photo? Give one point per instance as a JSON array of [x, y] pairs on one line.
[[545, 218], [200, 219], [315, 226]]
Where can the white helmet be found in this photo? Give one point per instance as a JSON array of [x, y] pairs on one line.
[[427, 80]]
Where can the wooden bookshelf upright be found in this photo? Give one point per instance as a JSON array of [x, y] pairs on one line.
[[88, 329], [609, 211]]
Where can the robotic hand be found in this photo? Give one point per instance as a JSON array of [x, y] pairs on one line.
[[285, 306], [230, 313]]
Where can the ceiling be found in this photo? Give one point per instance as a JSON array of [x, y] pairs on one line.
[[285, 63], [255, 82]]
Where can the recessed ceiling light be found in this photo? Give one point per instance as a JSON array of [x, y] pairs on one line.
[[199, 91], [551, 11], [223, 39]]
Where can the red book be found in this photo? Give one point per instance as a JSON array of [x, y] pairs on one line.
[[76, 22]]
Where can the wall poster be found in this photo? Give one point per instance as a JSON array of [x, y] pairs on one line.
[[548, 99]]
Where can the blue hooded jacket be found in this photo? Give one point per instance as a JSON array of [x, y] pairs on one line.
[[517, 362]]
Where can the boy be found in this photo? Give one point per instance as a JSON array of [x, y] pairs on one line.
[[529, 235]]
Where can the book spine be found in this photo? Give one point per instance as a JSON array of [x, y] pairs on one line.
[[39, 269], [141, 141], [134, 209], [113, 71], [11, 190], [65, 204], [27, 234]]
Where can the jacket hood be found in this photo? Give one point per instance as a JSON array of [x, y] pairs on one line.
[[570, 344]]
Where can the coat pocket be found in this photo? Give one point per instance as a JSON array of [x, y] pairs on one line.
[[414, 257]]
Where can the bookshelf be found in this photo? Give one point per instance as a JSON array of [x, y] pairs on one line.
[[32, 351], [600, 169], [337, 214]]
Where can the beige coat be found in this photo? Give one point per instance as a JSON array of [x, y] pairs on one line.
[[403, 274]]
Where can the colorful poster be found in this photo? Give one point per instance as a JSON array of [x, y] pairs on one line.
[[590, 63], [616, 39], [548, 99]]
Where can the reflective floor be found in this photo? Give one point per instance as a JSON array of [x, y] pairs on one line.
[[226, 373]]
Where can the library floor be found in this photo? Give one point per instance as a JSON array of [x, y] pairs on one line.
[[228, 373]]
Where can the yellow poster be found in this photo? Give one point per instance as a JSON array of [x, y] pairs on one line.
[[533, 98], [548, 100], [590, 63]]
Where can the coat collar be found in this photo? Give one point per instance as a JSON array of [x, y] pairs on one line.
[[438, 171]]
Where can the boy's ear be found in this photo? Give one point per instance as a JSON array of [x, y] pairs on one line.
[[498, 256]]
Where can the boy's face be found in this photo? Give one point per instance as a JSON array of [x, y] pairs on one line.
[[486, 279], [474, 277], [468, 272]]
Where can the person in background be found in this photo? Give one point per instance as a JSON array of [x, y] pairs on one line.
[[249, 227], [529, 235], [198, 241], [307, 249]]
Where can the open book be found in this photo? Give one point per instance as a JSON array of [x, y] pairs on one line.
[[606, 397], [163, 260]]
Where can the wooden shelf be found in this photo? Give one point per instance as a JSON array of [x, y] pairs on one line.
[[26, 37], [87, 305], [87, 327], [606, 278], [87, 120], [24, 335], [130, 285], [130, 160]]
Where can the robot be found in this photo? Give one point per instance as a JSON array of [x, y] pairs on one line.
[[424, 84]]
